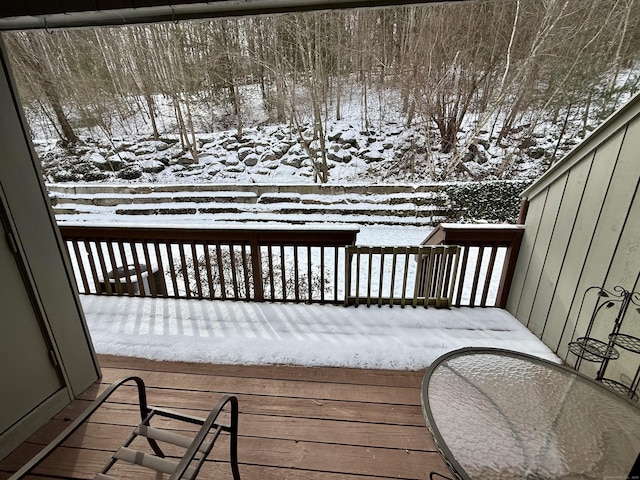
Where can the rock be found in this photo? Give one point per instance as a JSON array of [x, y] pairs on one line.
[[251, 160], [476, 154], [115, 162], [295, 162], [95, 158], [120, 145], [82, 168], [527, 143], [296, 149], [186, 159], [269, 156], [209, 146], [207, 159], [151, 166], [95, 175], [130, 173], [349, 138], [174, 152], [485, 143], [150, 146], [80, 150], [342, 156], [244, 152], [536, 153], [373, 156], [280, 150], [334, 136], [214, 168], [231, 160], [235, 168], [64, 176]]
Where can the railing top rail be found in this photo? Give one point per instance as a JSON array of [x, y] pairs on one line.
[[263, 236], [481, 226], [461, 233]]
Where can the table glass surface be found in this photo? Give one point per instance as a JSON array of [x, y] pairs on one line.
[[502, 415]]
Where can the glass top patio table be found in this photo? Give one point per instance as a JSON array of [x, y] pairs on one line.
[[496, 414]]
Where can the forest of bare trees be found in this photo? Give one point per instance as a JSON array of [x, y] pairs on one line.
[[499, 67]]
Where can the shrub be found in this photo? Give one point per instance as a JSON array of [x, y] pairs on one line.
[[495, 201]]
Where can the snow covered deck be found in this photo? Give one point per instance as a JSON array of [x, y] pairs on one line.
[[248, 333], [313, 418]]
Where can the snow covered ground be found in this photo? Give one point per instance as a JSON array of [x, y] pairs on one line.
[[297, 334], [261, 333]]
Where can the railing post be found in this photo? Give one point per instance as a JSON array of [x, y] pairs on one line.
[[256, 266], [510, 260], [348, 253]]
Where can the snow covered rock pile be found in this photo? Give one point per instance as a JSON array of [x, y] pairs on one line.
[[266, 154]]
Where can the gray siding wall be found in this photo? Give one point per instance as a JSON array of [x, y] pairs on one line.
[[42, 253], [583, 230]]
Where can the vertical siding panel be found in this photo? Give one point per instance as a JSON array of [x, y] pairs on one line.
[[582, 220], [607, 223], [566, 291], [562, 230], [534, 216], [540, 250], [625, 271], [625, 264]]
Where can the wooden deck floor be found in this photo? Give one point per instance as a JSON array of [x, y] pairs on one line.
[[295, 423]]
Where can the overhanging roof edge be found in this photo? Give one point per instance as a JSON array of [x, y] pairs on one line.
[[190, 11]]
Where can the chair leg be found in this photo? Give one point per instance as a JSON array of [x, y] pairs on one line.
[[432, 475], [233, 441]]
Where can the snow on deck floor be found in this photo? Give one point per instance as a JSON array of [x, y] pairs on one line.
[[297, 334]]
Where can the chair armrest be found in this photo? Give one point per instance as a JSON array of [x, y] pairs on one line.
[[201, 436], [67, 432]]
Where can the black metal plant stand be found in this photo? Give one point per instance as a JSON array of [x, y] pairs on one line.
[[590, 349]]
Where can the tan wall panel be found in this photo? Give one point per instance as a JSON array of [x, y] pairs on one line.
[[534, 216], [607, 231], [562, 231], [540, 250], [576, 248], [625, 272]]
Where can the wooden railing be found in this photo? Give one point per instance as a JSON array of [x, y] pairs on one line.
[[416, 276], [488, 259], [257, 264]]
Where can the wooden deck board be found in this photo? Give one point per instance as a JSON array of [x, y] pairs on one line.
[[295, 422]]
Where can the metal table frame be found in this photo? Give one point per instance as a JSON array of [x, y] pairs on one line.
[[456, 469]]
